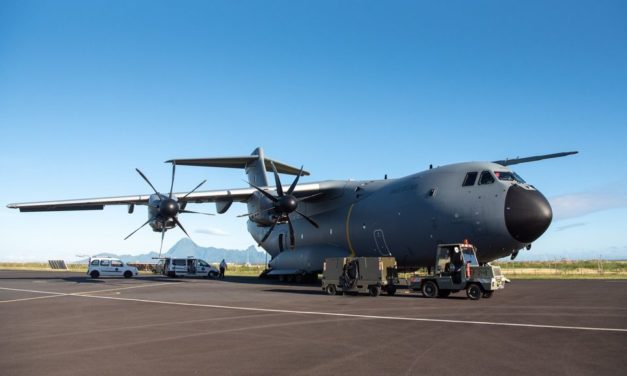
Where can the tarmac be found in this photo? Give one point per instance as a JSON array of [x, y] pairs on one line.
[[61, 323]]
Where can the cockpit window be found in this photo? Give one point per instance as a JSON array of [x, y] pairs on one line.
[[470, 179], [486, 178], [509, 176]]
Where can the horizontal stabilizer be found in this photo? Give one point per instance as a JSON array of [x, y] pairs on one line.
[[508, 162], [238, 162]]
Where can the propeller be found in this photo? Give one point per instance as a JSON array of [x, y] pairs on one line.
[[168, 207], [283, 204]]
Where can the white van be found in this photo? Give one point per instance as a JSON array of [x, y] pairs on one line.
[[110, 267], [186, 267]]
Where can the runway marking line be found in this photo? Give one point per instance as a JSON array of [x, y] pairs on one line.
[[59, 294], [331, 314]]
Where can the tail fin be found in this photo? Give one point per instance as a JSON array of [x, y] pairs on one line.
[[256, 169]]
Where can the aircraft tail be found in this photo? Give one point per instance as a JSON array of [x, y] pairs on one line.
[[256, 169], [256, 165]]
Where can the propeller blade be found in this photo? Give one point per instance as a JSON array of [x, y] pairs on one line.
[[172, 184], [259, 212], [279, 187], [194, 190], [148, 181], [293, 186], [193, 212], [292, 242], [309, 197], [269, 231], [268, 195], [308, 219], [181, 226], [140, 227], [162, 236]]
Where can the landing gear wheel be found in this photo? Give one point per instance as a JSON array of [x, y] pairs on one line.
[[374, 290], [444, 293], [473, 292], [429, 289], [128, 274], [487, 294], [94, 274], [331, 290], [391, 290]]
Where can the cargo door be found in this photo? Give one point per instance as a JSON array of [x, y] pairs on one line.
[[379, 239]]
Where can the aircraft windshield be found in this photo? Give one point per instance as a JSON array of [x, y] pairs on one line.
[[509, 176]]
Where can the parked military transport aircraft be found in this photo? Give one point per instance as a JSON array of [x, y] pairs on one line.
[[301, 225]]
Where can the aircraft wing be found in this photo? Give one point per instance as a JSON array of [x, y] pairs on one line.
[[508, 162], [219, 196]]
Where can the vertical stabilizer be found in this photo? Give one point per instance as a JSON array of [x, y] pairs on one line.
[[256, 169]]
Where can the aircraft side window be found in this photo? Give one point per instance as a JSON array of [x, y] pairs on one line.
[[104, 262], [486, 178], [470, 179]]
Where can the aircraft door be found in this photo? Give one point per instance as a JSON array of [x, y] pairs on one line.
[[379, 239]]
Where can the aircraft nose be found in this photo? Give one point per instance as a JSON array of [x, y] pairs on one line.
[[527, 214]]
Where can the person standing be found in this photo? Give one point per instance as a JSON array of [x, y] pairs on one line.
[[222, 268]]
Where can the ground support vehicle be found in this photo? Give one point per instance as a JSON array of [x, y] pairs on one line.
[[360, 274], [456, 268], [186, 267], [110, 267]]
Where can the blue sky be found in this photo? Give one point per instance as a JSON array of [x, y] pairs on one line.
[[353, 89]]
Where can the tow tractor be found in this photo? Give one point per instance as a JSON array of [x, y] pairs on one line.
[[457, 268]]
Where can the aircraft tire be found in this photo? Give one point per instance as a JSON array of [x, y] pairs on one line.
[[429, 289], [374, 290], [331, 290], [94, 274], [473, 291], [128, 274]]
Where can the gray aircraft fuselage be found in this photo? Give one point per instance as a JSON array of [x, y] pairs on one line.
[[407, 218]]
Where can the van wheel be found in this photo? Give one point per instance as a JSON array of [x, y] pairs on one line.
[[487, 294], [94, 274], [473, 292], [374, 290], [128, 274], [331, 290], [429, 289]]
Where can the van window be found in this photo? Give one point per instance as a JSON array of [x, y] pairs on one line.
[[202, 263], [179, 262], [486, 178], [470, 179], [104, 262], [116, 263], [95, 262]]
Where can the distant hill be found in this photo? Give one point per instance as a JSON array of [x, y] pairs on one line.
[[186, 247]]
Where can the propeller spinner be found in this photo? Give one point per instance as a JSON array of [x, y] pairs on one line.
[[283, 204], [167, 208]]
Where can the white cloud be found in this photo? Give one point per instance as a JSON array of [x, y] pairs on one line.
[[579, 204], [212, 231]]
